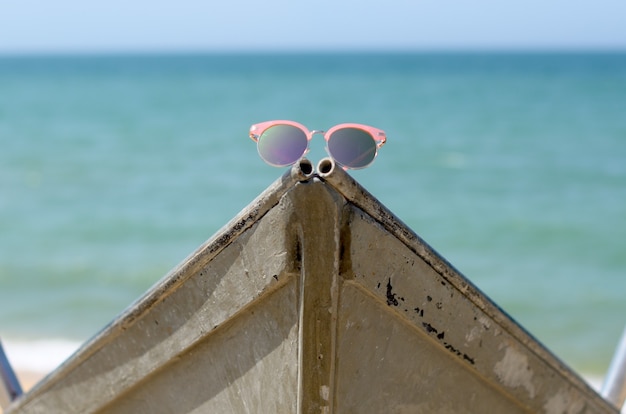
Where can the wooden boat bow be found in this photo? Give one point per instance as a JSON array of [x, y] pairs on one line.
[[314, 299]]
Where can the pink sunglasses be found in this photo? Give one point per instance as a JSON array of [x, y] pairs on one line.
[[282, 143]]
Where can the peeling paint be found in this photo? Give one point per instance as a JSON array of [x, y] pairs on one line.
[[485, 322], [513, 371], [561, 403], [325, 392], [478, 331], [473, 334], [392, 298]]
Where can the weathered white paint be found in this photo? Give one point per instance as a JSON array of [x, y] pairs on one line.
[[513, 371], [564, 402]]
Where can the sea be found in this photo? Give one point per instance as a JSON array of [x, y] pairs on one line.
[[511, 165]]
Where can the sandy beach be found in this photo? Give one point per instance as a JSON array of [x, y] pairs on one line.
[[28, 379]]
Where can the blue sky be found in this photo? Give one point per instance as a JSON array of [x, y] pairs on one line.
[[257, 25]]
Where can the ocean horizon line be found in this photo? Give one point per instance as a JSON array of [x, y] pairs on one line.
[[147, 52]]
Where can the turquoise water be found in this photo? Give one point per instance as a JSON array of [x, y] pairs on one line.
[[512, 166]]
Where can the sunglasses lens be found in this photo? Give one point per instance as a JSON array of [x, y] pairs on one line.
[[352, 147], [282, 145]]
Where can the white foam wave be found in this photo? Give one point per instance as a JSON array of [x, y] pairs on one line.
[[40, 356]]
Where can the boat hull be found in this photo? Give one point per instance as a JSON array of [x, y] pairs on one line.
[[316, 298]]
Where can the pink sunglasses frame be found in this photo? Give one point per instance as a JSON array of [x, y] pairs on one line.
[[378, 135]]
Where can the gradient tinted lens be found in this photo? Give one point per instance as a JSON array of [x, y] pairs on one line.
[[352, 147], [282, 145]]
